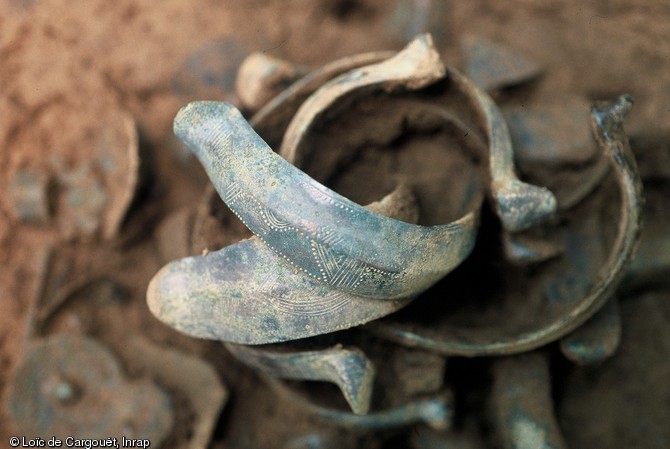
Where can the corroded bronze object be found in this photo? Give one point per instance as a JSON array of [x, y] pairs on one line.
[[320, 232], [245, 293], [201, 295], [502, 337], [319, 262], [62, 382], [349, 369]]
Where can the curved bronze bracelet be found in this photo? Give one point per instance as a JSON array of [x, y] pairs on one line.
[[320, 232], [607, 124], [245, 293], [519, 205]]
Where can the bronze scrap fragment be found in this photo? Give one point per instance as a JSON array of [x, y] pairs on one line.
[[73, 386], [349, 369], [523, 408], [435, 411], [597, 339]]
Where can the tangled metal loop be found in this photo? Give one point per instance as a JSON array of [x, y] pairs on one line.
[[319, 262]]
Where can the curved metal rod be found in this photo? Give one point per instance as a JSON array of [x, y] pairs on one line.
[[435, 411], [416, 66], [518, 204], [288, 101], [349, 369]]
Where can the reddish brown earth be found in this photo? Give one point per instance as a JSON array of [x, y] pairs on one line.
[[69, 70]]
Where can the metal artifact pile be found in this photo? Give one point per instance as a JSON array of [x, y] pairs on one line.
[[337, 292], [487, 263]]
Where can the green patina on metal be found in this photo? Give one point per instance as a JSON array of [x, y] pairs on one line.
[[320, 232], [246, 293]]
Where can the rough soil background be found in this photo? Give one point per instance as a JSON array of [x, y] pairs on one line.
[[69, 68]]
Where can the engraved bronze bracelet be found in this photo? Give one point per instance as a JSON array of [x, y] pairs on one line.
[[246, 293], [320, 232]]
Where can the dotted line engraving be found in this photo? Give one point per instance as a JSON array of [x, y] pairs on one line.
[[343, 271]]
